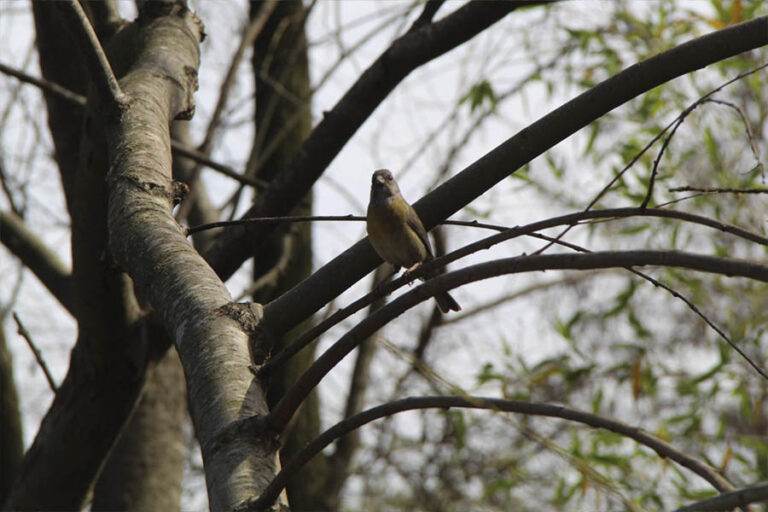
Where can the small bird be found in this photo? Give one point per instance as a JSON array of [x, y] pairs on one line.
[[396, 232]]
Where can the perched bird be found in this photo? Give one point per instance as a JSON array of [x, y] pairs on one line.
[[396, 232]]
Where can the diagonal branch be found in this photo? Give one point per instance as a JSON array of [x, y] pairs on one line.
[[349, 267], [45, 85], [38, 257], [662, 448], [210, 333], [277, 321], [95, 58], [729, 500], [284, 410], [22, 330], [410, 51]]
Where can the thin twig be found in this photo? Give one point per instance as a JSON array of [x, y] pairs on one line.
[[664, 145], [679, 121], [250, 33], [274, 220], [704, 317], [178, 148], [183, 150], [505, 234], [675, 294], [45, 85], [653, 141], [36, 351], [720, 190], [568, 280], [747, 126]]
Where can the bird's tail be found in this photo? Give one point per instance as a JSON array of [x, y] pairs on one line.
[[446, 303]]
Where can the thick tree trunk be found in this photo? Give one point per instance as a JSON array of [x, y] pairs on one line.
[[210, 333], [60, 63], [107, 365], [283, 122], [11, 440], [145, 467]]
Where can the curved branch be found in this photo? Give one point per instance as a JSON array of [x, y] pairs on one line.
[[730, 500], [279, 318], [662, 448], [38, 257], [349, 267], [410, 51], [147, 243], [286, 407]]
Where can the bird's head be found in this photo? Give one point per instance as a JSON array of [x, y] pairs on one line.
[[383, 185]]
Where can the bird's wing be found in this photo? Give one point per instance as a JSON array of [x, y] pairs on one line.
[[414, 222]]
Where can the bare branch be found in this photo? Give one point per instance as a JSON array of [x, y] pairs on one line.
[[747, 127], [185, 151], [430, 9], [673, 125], [36, 351], [284, 410], [568, 280], [95, 59], [662, 448], [721, 190], [105, 17], [349, 267], [278, 313], [39, 258], [729, 500], [339, 124], [45, 85], [251, 32], [359, 382], [179, 149]]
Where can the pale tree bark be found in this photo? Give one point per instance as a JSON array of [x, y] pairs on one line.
[[129, 482], [200, 211], [211, 334]]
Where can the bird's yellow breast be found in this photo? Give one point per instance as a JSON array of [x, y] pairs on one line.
[[391, 236]]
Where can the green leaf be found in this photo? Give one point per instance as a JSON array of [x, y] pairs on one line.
[[478, 95]]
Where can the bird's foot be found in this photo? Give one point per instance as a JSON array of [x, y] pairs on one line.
[[410, 270]]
